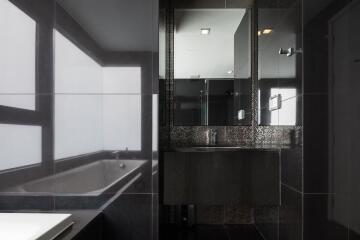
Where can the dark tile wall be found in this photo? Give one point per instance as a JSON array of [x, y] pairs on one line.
[[328, 161], [291, 214], [129, 217]]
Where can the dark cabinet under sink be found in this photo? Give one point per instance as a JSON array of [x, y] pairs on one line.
[[214, 178]]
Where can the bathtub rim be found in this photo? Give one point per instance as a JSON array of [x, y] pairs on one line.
[[99, 192]]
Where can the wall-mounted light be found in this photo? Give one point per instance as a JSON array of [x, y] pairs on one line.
[[205, 31], [267, 31]]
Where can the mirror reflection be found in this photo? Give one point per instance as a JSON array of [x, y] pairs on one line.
[[279, 66], [212, 70]]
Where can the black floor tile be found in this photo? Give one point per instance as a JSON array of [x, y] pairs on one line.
[[210, 232]]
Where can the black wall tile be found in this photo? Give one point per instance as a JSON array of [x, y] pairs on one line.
[[292, 168], [316, 160], [267, 221], [129, 217], [324, 218], [291, 219]]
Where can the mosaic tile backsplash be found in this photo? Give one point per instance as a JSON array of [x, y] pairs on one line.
[[256, 137]]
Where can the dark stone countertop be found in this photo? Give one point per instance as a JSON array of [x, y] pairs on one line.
[[205, 149], [87, 225]]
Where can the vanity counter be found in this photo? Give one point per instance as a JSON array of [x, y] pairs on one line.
[[227, 148]]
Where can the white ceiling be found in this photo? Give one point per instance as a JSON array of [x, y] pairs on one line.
[[210, 56]]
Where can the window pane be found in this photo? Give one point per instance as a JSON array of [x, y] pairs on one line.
[[75, 71], [17, 62], [20, 145]]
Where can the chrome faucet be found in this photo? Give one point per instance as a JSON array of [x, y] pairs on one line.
[[117, 157], [212, 136], [116, 154]]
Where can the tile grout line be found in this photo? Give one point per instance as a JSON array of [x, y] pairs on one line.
[[291, 188]]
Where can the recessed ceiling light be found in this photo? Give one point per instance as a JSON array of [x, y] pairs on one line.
[[267, 31], [230, 72], [205, 31]]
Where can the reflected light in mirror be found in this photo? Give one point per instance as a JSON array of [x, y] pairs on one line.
[[286, 115], [267, 31], [205, 31]]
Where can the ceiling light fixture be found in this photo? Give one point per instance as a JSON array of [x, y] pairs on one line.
[[267, 31], [230, 72], [205, 31], [259, 33]]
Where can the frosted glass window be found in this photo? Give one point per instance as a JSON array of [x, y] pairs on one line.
[[122, 122], [20, 145], [78, 125], [122, 80], [75, 71], [86, 123], [17, 61]]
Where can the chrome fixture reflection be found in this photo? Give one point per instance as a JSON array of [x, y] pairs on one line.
[[275, 102], [212, 137], [122, 165], [205, 31], [290, 51], [267, 31], [241, 114]]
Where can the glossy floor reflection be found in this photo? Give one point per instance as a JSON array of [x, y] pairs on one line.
[[210, 232]]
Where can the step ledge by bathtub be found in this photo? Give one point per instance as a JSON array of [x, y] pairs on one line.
[[33, 226]]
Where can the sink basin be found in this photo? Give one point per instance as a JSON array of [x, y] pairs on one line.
[[33, 226]]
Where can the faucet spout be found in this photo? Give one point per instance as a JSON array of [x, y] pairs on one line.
[[212, 137], [116, 154]]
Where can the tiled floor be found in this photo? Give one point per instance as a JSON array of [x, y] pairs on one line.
[[210, 232]]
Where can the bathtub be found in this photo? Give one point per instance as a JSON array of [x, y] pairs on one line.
[[95, 179]]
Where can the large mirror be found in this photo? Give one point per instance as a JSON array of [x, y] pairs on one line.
[[212, 70]]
